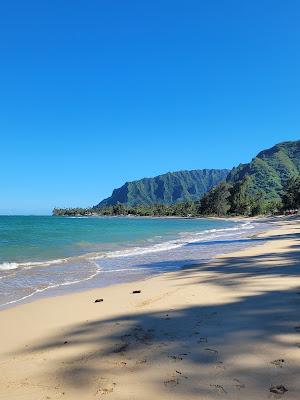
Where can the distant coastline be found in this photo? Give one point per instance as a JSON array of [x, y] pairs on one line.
[[268, 185]]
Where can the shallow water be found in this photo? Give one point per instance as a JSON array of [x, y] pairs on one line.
[[52, 255]]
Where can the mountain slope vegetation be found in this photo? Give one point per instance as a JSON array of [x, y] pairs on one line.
[[269, 184], [269, 170], [169, 188]]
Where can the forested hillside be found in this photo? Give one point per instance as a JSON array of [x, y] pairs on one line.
[[169, 188], [270, 183], [269, 170]]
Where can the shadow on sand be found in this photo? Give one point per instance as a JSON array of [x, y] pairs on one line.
[[238, 349]]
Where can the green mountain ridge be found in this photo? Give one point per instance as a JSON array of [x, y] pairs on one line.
[[169, 188], [269, 170], [268, 184]]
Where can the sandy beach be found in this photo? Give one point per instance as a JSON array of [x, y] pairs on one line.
[[227, 329]]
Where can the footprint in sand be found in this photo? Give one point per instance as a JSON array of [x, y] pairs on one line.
[[175, 379], [122, 363], [172, 382], [143, 361], [121, 348], [176, 358], [278, 389], [202, 340], [219, 388], [213, 351], [127, 335], [105, 387], [238, 385], [220, 366]]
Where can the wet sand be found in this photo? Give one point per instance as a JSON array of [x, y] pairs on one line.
[[227, 329]]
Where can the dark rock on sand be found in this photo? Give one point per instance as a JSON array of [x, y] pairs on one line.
[[278, 389], [278, 363], [98, 300]]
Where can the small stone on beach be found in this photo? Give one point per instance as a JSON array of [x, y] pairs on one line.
[[98, 300], [136, 291], [278, 389], [278, 363]]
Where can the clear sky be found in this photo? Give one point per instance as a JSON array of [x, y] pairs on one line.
[[95, 93]]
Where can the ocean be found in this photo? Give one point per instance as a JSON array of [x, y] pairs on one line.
[[46, 255]]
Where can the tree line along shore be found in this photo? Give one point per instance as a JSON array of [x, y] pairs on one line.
[[225, 199]]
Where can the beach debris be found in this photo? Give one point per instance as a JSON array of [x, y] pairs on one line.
[[278, 389], [66, 342], [98, 301], [278, 363], [178, 372], [136, 291]]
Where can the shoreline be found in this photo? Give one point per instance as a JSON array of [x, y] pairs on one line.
[[229, 327], [136, 252], [229, 218]]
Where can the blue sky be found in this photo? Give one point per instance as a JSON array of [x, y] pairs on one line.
[[95, 93]]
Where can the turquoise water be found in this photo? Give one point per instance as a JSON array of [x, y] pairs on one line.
[[39, 254], [31, 238]]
